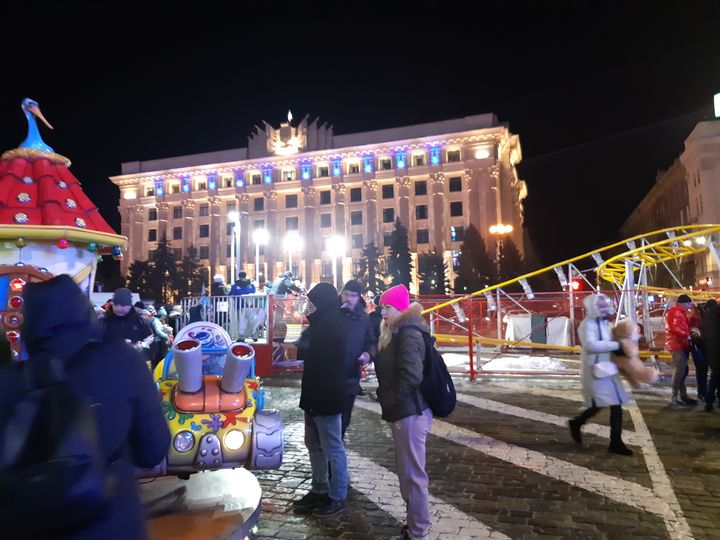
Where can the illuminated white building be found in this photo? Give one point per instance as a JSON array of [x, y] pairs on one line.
[[437, 178]]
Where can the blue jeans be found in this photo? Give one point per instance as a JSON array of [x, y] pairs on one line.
[[323, 439]]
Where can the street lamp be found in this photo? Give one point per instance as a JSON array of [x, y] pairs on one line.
[[336, 248], [498, 231], [234, 217], [260, 237], [292, 242]]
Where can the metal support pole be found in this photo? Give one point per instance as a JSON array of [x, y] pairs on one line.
[[630, 305], [498, 312], [470, 341], [572, 308], [238, 230], [232, 255]]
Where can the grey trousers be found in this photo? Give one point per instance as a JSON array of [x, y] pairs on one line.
[[409, 436], [680, 363]]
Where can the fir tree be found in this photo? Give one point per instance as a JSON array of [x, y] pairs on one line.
[[190, 278], [399, 263], [432, 274], [139, 278], [475, 269], [370, 265], [511, 260], [164, 274]]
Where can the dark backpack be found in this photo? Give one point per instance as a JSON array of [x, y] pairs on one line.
[[53, 476], [437, 386]]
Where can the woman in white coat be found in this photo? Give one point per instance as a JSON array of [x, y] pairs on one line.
[[600, 391]]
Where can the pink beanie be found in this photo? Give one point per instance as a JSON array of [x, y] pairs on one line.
[[397, 297]]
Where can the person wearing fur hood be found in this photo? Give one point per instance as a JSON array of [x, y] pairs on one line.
[[600, 389], [399, 369]]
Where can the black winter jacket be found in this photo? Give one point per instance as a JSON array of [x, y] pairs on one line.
[[360, 338], [399, 366], [60, 322], [131, 326]]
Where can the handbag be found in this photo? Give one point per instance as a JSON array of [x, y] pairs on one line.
[[605, 368]]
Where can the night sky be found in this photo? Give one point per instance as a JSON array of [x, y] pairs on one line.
[[602, 97]]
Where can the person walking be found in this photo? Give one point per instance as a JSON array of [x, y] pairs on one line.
[[711, 335], [399, 370], [323, 398], [600, 389], [123, 322], [678, 341]]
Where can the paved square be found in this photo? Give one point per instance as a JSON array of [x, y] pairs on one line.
[[503, 466]]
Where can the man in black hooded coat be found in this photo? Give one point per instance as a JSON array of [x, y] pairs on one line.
[[59, 322]]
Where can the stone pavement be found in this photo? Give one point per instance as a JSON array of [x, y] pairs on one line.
[[503, 466]]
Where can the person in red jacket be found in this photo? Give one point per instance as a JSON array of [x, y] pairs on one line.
[[677, 341]]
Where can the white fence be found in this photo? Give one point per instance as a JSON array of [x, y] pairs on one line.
[[241, 316]]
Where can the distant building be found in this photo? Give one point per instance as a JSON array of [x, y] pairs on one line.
[[687, 193], [437, 178]]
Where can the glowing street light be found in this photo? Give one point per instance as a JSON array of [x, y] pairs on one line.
[[260, 237], [336, 248], [292, 242], [498, 231]]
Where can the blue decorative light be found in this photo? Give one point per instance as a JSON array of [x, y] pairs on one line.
[[267, 176], [368, 164], [212, 182], [116, 251], [186, 185], [306, 171], [337, 167], [239, 179], [159, 189], [435, 156], [400, 160]]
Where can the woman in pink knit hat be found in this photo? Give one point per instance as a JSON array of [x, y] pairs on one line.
[[399, 371]]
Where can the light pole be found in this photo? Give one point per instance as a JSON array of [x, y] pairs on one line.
[[336, 248], [498, 231], [292, 242], [234, 217], [260, 237]]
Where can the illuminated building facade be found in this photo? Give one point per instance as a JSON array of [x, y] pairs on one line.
[[437, 178]]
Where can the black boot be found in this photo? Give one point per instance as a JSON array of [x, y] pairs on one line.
[[576, 423], [617, 446]]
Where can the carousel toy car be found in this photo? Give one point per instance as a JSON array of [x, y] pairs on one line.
[[213, 404]]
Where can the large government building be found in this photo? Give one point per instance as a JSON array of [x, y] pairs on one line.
[[437, 178]]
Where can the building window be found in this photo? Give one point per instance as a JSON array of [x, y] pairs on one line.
[[256, 179], [177, 252], [324, 197], [152, 214], [291, 201], [228, 181], [258, 204], [177, 212], [259, 223], [387, 191], [456, 183], [386, 164], [357, 241], [152, 235], [204, 231], [175, 187], [152, 254], [323, 171], [288, 176], [201, 185], [355, 194], [177, 233], [327, 268], [421, 211], [325, 220], [457, 234], [453, 156], [230, 207], [421, 188], [149, 191], [387, 238], [291, 223], [422, 236], [204, 252], [353, 168], [418, 160], [204, 210], [388, 215], [229, 228], [356, 218], [228, 251], [456, 209]]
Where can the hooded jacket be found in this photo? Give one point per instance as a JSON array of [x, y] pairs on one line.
[[322, 347], [597, 346], [360, 338], [131, 326], [399, 367], [677, 330], [60, 322]]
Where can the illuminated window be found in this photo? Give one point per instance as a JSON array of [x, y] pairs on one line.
[[175, 187], [256, 179], [457, 234], [149, 191], [288, 176], [353, 168], [418, 160], [453, 156], [386, 164]]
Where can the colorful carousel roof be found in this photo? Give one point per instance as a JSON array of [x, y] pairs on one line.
[[41, 199]]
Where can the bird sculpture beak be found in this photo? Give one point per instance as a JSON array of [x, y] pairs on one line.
[[36, 112]]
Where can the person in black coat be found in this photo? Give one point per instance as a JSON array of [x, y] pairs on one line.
[[711, 336], [323, 397], [59, 321], [361, 343], [123, 322]]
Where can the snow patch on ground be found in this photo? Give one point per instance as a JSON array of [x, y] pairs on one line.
[[509, 363]]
